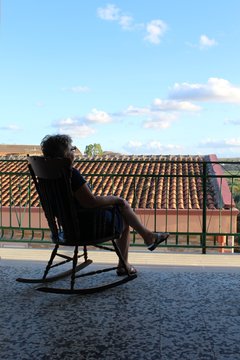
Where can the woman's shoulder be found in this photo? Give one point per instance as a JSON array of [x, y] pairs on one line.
[[77, 179]]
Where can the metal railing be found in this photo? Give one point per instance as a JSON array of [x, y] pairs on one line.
[[193, 226]]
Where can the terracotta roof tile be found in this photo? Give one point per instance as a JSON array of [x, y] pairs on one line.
[[141, 192], [17, 150], [167, 191]]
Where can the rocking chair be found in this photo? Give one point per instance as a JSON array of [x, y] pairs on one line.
[[52, 181]]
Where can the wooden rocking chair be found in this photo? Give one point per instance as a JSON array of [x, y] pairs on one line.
[[52, 180]]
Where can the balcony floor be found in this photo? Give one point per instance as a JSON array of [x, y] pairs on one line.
[[186, 308]]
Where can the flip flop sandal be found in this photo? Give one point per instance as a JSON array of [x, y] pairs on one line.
[[160, 237], [122, 271]]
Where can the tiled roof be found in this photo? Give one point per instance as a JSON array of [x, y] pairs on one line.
[[140, 191], [18, 150], [169, 192]]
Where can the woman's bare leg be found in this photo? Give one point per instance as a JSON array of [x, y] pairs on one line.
[[131, 219], [123, 244]]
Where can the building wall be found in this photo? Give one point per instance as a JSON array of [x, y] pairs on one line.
[[218, 221]]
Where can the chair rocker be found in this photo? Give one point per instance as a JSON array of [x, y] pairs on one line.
[[52, 181]]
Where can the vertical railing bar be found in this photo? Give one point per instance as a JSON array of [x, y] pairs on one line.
[[10, 199], [230, 225], [204, 212], [188, 208], [30, 201], [220, 208], [177, 208], [134, 204], [155, 204], [166, 211], [231, 210], [1, 218]]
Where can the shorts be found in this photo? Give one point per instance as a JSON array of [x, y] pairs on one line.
[[118, 225], [100, 223]]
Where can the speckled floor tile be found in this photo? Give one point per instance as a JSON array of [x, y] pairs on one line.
[[162, 315]]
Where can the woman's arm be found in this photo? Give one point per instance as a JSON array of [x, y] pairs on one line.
[[88, 200]]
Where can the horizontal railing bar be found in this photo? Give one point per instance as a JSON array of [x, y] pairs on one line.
[[128, 175], [103, 160], [161, 175]]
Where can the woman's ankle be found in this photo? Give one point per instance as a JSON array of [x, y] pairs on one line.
[[149, 238]]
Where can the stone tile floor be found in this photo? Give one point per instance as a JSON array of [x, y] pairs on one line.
[[168, 312]]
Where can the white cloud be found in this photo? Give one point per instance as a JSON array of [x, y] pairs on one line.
[[77, 89], [206, 42], [137, 111], [66, 122], [78, 131], [221, 143], [159, 106], [174, 105], [151, 147], [10, 127], [126, 22], [233, 142], [98, 116], [223, 147], [155, 31], [73, 127], [232, 122], [161, 113], [156, 145], [134, 144], [39, 104], [216, 89], [110, 12], [79, 127], [160, 121]]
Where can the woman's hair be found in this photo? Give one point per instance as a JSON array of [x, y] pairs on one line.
[[55, 145]]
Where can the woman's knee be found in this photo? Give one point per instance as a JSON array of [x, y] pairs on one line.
[[126, 208]]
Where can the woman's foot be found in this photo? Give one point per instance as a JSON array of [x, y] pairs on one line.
[[158, 239], [121, 271]]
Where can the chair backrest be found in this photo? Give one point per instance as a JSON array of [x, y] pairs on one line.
[[52, 178]]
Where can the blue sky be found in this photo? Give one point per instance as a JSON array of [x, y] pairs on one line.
[[136, 76]]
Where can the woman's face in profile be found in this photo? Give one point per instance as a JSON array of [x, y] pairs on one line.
[[70, 153]]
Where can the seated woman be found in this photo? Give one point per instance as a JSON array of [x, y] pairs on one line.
[[61, 146]]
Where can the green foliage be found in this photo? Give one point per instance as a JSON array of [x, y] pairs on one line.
[[234, 185], [231, 167], [93, 150]]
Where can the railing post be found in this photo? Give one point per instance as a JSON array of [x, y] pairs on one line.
[[204, 212]]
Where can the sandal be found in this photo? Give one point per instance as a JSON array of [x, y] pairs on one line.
[[121, 271], [160, 237]]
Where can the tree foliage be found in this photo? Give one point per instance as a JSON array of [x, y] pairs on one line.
[[93, 150]]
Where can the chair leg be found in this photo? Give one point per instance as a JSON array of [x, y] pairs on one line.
[[85, 252], [74, 264], [72, 272], [49, 264]]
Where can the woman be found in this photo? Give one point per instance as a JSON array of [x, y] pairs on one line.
[[61, 146]]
